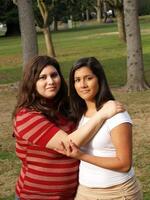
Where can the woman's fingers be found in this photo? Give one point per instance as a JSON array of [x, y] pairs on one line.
[[120, 106]]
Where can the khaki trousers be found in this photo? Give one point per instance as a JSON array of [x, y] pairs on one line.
[[130, 190]]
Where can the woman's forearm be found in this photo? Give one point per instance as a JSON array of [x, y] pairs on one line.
[[83, 134], [112, 163]]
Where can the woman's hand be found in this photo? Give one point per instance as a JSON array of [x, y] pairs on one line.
[[70, 150], [111, 107]]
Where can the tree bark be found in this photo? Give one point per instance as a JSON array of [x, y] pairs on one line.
[[120, 24], [48, 42], [87, 14], [98, 10], [55, 24], [135, 66], [105, 11], [46, 30], [28, 31]]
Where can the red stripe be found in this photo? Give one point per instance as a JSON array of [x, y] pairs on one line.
[[46, 173], [49, 183], [71, 189]]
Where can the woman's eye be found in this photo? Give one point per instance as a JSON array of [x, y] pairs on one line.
[[54, 75], [76, 80], [89, 78], [42, 77]]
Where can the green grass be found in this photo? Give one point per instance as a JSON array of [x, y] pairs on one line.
[[146, 195], [10, 75], [7, 155], [10, 45], [12, 197], [88, 40]]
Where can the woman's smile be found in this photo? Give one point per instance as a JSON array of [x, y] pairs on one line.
[[49, 82], [86, 83]]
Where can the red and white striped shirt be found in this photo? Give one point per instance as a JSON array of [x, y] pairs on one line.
[[45, 174]]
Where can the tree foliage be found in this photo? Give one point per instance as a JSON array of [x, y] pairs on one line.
[[144, 7], [9, 16], [39, 16], [115, 3]]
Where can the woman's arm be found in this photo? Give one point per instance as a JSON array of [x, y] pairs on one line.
[[83, 134], [122, 140]]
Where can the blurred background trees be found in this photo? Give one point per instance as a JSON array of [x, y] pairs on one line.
[[64, 10], [48, 15]]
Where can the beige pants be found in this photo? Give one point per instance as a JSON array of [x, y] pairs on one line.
[[129, 190]]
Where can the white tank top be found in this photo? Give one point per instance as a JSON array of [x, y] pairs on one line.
[[101, 145]]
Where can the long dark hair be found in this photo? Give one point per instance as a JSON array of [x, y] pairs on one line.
[[28, 96], [78, 105]]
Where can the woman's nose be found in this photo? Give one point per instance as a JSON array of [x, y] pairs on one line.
[[50, 80], [83, 83]]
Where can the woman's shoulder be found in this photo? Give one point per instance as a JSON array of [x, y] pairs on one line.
[[24, 110], [119, 118], [26, 113]]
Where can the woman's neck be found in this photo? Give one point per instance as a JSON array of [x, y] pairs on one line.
[[91, 108]]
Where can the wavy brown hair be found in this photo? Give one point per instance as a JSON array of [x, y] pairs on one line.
[[28, 96]]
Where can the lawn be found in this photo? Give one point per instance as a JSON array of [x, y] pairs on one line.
[[93, 40], [96, 40]]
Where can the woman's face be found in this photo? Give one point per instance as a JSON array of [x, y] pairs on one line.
[[86, 83], [49, 82]]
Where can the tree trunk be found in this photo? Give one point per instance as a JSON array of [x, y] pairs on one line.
[[28, 31], [105, 11], [98, 10], [48, 42], [120, 24], [55, 25], [87, 14], [135, 66], [46, 30]]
